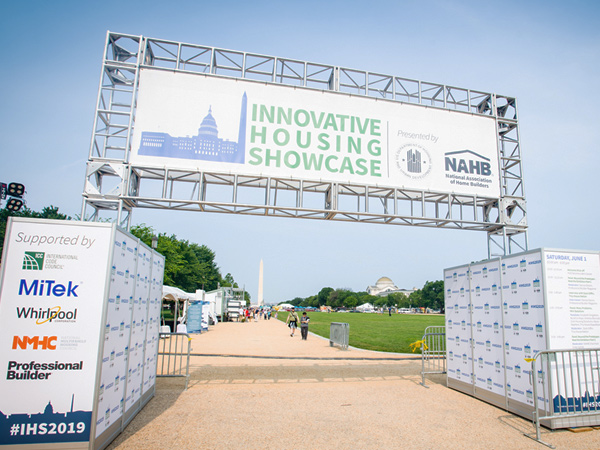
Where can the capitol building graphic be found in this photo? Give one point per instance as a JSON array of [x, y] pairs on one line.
[[46, 427], [206, 145]]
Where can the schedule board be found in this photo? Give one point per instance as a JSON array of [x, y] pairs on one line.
[[513, 308]]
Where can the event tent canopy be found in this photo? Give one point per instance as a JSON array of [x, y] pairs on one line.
[[173, 293]]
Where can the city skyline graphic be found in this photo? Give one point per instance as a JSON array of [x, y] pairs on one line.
[[206, 145]]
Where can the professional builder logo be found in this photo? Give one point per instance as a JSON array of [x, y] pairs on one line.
[[413, 160], [33, 260], [33, 370]]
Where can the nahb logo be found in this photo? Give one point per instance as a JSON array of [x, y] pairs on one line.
[[467, 162], [35, 342], [47, 288], [33, 260]]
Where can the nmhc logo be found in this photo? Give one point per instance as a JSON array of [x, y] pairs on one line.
[[33, 260], [460, 162], [35, 342]]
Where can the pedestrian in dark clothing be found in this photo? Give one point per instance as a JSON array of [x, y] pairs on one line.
[[304, 325]]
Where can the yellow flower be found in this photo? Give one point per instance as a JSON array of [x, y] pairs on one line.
[[416, 345]]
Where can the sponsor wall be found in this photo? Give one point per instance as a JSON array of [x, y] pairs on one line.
[[201, 122], [513, 308], [79, 307]]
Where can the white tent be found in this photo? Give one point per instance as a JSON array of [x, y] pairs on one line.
[[365, 307], [176, 295], [285, 306], [173, 293]]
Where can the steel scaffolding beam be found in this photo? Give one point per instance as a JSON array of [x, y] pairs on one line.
[[114, 186]]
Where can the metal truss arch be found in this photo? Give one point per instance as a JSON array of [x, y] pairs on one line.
[[114, 186]]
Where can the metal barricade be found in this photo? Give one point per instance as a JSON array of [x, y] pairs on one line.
[[433, 352], [339, 333], [174, 361], [570, 382]]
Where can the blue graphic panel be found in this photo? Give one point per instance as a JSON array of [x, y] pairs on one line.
[[206, 145], [45, 427]]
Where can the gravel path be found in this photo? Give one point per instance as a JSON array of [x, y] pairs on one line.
[[252, 386]]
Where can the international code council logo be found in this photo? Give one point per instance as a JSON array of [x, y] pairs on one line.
[[413, 160], [33, 261]]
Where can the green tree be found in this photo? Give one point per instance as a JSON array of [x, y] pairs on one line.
[[416, 298], [323, 296], [363, 298], [398, 299], [342, 297], [187, 266], [380, 302], [296, 302], [228, 281], [313, 301], [351, 301], [433, 295]]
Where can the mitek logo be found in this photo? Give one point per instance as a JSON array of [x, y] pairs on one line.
[[47, 288], [33, 260], [35, 342]]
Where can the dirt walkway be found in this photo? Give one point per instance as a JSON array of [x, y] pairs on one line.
[[255, 387]]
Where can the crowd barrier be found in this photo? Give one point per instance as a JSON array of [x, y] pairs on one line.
[[570, 381], [174, 360], [433, 352], [339, 333]]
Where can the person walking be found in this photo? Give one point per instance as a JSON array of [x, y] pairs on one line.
[[292, 321], [304, 326]]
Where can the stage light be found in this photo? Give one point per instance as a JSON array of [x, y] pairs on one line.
[[14, 204], [16, 189]]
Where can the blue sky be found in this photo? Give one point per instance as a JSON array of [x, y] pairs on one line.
[[545, 53]]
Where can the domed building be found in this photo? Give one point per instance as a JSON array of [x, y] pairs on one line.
[[385, 286]]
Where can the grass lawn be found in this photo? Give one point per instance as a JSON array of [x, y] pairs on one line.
[[375, 331]]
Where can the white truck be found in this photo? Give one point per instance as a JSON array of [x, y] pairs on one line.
[[226, 302]]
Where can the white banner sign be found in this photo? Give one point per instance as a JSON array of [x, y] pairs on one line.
[[573, 299], [51, 299], [198, 122]]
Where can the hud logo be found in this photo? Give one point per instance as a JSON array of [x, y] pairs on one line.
[[33, 260], [459, 162], [413, 160]]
